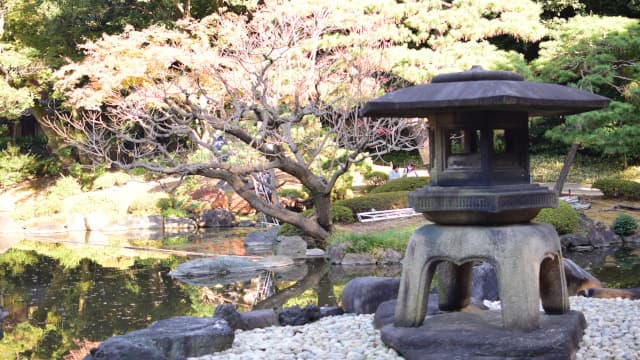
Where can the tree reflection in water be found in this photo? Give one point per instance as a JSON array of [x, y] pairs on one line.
[[61, 298]]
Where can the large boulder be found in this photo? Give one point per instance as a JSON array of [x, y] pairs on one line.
[[261, 239], [352, 259], [292, 246], [217, 218], [363, 295], [246, 320], [173, 338], [601, 235], [295, 315], [337, 252]]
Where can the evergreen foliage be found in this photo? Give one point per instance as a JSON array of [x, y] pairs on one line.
[[618, 188], [380, 201], [563, 218], [624, 225], [402, 184]]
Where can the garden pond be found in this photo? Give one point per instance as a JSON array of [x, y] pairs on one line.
[[62, 297]]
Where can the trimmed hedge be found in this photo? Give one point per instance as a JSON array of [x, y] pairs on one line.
[[381, 201], [401, 184], [618, 188], [342, 215], [563, 218]]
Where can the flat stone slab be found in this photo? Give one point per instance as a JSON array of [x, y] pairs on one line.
[[479, 335]]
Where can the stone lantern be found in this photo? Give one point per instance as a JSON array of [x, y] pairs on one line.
[[481, 200]]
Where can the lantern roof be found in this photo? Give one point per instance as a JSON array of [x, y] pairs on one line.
[[478, 90]]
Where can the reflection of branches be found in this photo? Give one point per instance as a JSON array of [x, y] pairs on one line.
[[317, 270]]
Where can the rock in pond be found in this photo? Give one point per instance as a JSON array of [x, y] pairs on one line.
[[174, 338], [227, 269]]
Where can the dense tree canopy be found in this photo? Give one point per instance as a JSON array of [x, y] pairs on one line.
[[146, 59], [598, 54]]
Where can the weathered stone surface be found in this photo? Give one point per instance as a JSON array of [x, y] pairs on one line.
[[221, 270], [315, 253], [217, 218], [173, 338], [296, 316], [247, 320], [121, 348], [337, 252], [352, 259], [479, 335], [261, 242], [258, 319], [391, 256], [578, 279], [573, 242], [179, 223], [228, 269], [385, 314], [230, 314], [292, 246], [633, 239], [330, 311], [142, 222], [600, 236], [363, 295]]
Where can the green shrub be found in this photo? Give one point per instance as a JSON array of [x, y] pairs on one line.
[[618, 188], [147, 204], [395, 239], [285, 192], [14, 166], [624, 225], [110, 179], [563, 218], [381, 201], [402, 184], [95, 203], [375, 178], [64, 187], [342, 215]]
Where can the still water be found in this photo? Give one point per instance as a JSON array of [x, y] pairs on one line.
[[63, 296]]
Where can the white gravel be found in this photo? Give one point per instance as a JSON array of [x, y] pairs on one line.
[[613, 333]]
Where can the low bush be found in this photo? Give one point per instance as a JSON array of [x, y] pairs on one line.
[[375, 178], [110, 179], [618, 188], [380, 201], [624, 225], [342, 215], [297, 193], [148, 204], [395, 239], [563, 218], [402, 184], [15, 166], [95, 203]]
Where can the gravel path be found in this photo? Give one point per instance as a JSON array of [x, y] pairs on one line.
[[613, 333]]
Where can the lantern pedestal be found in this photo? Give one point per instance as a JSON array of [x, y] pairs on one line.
[[480, 335], [527, 259]]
